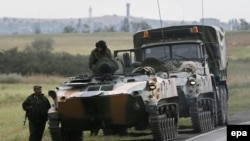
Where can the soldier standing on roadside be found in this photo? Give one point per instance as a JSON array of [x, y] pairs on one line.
[[36, 106]]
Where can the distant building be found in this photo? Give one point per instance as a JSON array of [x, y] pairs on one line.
[[210, 21], [90, 20], [128, 17], [97, 24], [215, 22], [128, 10]]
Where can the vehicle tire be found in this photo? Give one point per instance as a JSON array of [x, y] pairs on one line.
[[222, 107], [71, 135]]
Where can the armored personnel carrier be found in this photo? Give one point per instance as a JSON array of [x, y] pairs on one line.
[[119, 95], [195, 55]]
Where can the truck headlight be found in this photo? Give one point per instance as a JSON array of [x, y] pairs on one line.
[[192, 82], [152, 86]]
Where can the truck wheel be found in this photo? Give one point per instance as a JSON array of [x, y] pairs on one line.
[[222, 107], [71, 135]]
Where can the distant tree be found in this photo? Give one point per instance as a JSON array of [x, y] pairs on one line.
[[145, 25], [40, 45], [37, 28], [234, 24], [140, 26], [5, 19], [98, 29], [110, 28], [79, 25], [10, 61], [135, 26], [244, 25], [68, 29], [31, 61], [86, 28], [125, 25]]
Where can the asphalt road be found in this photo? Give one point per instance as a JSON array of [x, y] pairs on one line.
[[218, 134], [215, 135]]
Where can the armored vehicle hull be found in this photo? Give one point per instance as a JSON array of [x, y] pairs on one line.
[[114, 102]]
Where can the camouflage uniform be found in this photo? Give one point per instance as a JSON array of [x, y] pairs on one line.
[[96, 55], [36, 107]]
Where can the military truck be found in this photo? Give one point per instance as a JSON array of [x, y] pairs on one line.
[[195, 55], [119, 95]]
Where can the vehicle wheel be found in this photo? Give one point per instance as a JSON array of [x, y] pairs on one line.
[[55, 132], [226, 105], [222, 107], [94, 132], [164, 125], [202, 117], [71, 135]]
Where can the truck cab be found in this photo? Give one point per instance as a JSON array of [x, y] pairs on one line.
[[195, 55]]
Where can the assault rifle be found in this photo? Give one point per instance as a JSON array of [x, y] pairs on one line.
[[25, 118]]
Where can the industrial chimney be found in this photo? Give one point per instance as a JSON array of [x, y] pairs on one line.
[[90, 19], [128, 10]]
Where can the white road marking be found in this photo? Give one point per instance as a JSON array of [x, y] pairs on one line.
[[204, 134], [247, 122]]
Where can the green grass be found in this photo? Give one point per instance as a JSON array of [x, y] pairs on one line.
[[11, 124], [75, 43], [12, 95], [12, 115], [239, 53], [238, 84], [239, 99]]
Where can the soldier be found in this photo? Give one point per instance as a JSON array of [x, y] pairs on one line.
[[101, 51], [36, 106]]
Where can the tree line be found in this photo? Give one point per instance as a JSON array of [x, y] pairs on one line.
[[38, 58]]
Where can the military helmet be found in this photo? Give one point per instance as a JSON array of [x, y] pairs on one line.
[[101, 44], [37, 86]]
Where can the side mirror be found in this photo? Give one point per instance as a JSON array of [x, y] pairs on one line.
[[204, 60], [52, 94], [203, 64], [126, 59]]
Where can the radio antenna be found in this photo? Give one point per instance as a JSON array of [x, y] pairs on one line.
[[202, 12], [202, 9], [162, 33]]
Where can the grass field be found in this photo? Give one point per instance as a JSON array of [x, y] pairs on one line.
[[70, 43], [12, 95]]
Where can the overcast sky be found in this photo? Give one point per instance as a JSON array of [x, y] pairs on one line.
[[170, 9]]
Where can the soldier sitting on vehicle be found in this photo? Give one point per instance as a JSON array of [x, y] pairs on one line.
[[101, 51]]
